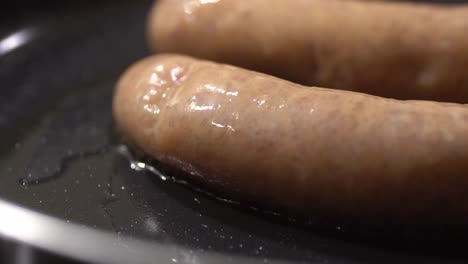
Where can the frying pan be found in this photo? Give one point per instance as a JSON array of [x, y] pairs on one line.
[[68, 190]]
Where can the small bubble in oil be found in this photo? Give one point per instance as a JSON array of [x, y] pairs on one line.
[[23, 182], [138, 166]]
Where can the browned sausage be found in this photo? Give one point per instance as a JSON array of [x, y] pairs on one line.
[[311, 150], [396, 50]]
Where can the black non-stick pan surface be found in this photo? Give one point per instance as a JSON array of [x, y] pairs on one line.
[[70, 191]]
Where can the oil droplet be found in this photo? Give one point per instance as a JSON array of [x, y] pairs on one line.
[[24, 182]]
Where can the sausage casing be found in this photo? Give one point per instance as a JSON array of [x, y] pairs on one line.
[[389, 49], [310, 150]]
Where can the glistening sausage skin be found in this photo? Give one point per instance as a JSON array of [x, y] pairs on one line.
[[310, 150], [397, 50]]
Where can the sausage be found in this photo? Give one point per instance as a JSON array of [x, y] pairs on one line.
[[308, 150], [396, 50]]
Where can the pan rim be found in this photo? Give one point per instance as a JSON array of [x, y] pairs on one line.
[[84, 243]]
